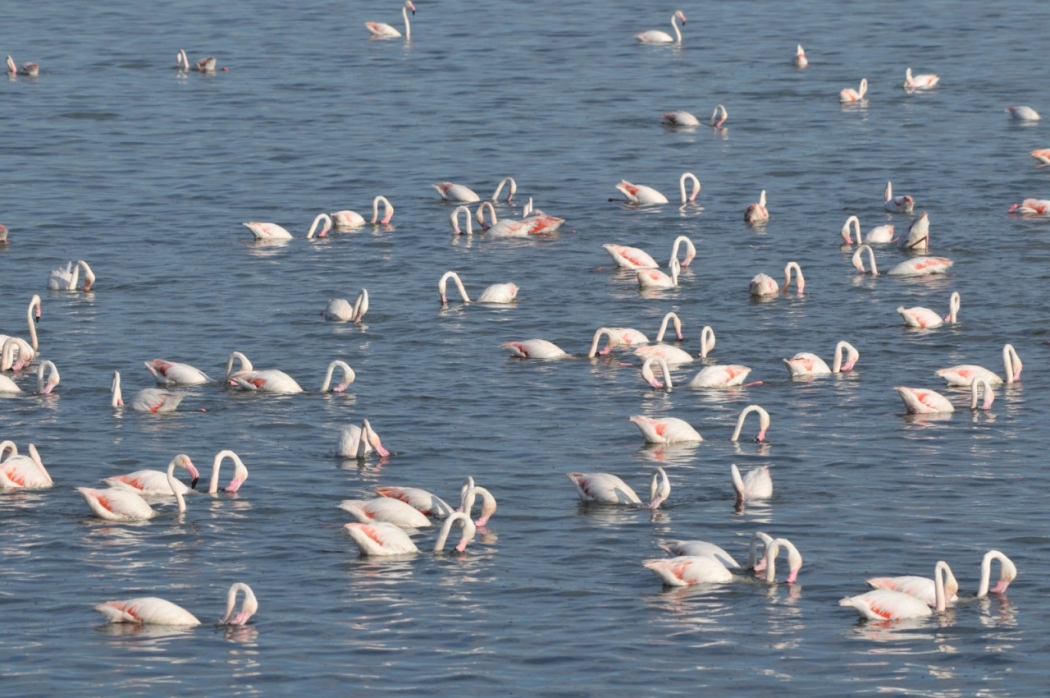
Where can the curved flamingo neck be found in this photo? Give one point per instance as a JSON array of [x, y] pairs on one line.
[[800, 281], [707, 341], [469, 529], [659, 489], [317, 221], [674, 25], [854, 223], [954, 304], [245, 364], [510, 192], [453, 219], [647, 372], [459, 285], [758, 537], [696, 186], [248, 607], [408, 25], [763, 422], [348, 374], [388, 209], [986, 391], [858, 261], [481, 214], [738, 482], [1011, 363], [663, 326], [34, 303], [938, 585], [174, 484], [597, 339], [690, 249]]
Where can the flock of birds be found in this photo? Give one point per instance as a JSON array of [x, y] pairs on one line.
[[383, 523]]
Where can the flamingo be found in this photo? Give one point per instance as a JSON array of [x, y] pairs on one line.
[[7, 385], [654, 279], [1007, 573], [699, 548], [358, 441], [30, 69], [534, 349], [665, 430], [727, 376], [806, 364], [757, 484], [384, 539], [341, 386], [626, 336], [392, 511], [148, 400], [348, 220], [921, 266], [800, 60], [155, 611], [718, 117], [609, 489], [340, 310], [641, 194], [654, 36], [1032, 207], [538, 224], [850, 96], [634, 258], [15, 354], [689, 570], [927, 319], [616, 337], [23, 472], [1042, 155], [986, 389], [247, 378], [919, 82], [171, 373], [3, 234], [923, 401], [1023, 114], [763, 286], [66, 279], [380, 30], [117, 504], [896, 204], [204, 65], [886, 604], [240, 472], [147, 610], [877, 235], [966, 374], [757, 213], [154, 482], [423, 501], [23, 353], [672, 354], [918, 239], [267, 231], [922, 588], [456, 192], [763, 423], [496, 293], [679, 118]]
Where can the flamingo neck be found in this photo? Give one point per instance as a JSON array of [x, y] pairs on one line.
[[756, 538], [938, 585], [707, 341], [173, 483], [469, 530], [118, 400], [772, 550], [738, 482], [674, 25], [408, 25], [35, 303], [598, 338]]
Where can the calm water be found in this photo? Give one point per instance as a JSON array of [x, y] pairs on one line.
[[112, 157]]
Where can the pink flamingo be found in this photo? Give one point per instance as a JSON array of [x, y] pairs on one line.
[[348, 220], [886, 604], [610, 489], [654, 36], [925, 318], [381, 30], [966, 374], [666, 430], [172, 373], [155, 482], [919, 82], [896, 204], [757, 213], [116, 504], [535, 349], [247, 378], [22, 472], [849, 95]]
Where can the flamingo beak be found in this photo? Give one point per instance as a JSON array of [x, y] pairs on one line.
[[1001, 586], [792, 577], [235, 484], [761, 436]]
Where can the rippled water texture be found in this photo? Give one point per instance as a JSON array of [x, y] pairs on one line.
[[113, 157]]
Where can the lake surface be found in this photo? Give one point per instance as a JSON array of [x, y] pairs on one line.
[[113, 157]]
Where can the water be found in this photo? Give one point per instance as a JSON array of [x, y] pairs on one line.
[[112, 157]]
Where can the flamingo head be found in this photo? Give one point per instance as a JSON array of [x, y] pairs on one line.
[[235, 484], [340, 388], [761, 435], [409, 5], [374, 442], [680, 15], [183, 461], [1015, 208]]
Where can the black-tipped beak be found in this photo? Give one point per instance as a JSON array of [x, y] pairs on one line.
[[193, 483]]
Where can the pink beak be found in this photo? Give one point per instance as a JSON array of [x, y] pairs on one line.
[[235, 484]]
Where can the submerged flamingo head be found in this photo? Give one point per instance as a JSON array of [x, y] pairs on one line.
[[235, 484]]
